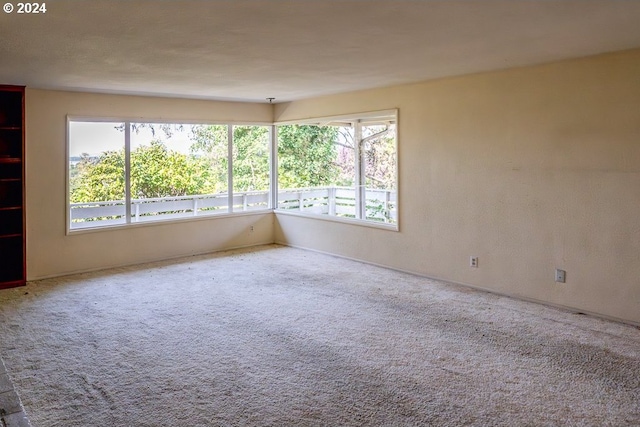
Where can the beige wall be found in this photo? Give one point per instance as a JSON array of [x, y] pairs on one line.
[[51, 253], [529, 169]]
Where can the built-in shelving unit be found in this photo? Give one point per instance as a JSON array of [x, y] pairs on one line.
[[12, 216]]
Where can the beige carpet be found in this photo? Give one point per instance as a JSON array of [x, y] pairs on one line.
[[278, 336]]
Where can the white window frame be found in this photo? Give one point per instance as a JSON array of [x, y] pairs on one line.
[[360, 203], [273, 169], [127, 144]]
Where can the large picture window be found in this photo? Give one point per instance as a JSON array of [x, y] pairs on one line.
[[132, 172], [341, 167]]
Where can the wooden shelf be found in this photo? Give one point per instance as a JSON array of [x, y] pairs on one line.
[[10, 160], [6, 236]]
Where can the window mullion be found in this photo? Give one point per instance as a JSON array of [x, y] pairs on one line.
[[127, 171], [230, 167], [273, 167], [360, 196]]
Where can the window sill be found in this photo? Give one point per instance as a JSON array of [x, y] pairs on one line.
[[113, 227], [342, 220]]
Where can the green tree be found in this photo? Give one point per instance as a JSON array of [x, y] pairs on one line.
[[307, 156], [250, 154], [250, 158], [155, 172], [159, 172], [210, 143], [100, 179]]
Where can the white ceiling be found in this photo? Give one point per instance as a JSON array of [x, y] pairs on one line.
[[290, 49]]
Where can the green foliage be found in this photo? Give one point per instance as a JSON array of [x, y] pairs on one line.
[[99, 180], [155, 172], [159, 172], [250, 154], [250, 158], [306, 156], [210, 143]]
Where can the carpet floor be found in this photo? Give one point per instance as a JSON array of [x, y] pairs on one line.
[[277, 336]]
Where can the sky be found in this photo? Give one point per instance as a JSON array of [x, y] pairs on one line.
[[96, 137]]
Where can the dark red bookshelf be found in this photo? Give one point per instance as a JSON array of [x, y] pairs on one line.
[[12, 215]]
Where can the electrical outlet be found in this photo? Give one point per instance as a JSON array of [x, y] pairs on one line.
[[251, 229], [473, 261], [561, 276]]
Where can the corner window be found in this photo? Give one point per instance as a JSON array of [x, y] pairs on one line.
[[341, 167], [132, 172]]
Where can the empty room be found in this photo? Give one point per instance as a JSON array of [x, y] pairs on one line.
[[320, 213]]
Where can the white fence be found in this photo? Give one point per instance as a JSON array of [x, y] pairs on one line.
[[340, 201], [337, 201]]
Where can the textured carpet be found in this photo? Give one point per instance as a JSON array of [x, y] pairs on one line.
[[279, 336]]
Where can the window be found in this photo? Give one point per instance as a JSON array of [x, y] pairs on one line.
[[123, 172], [251, 173], [341, 167]]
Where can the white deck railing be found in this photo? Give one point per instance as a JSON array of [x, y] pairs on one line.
[[340, 201], [336, 201]]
